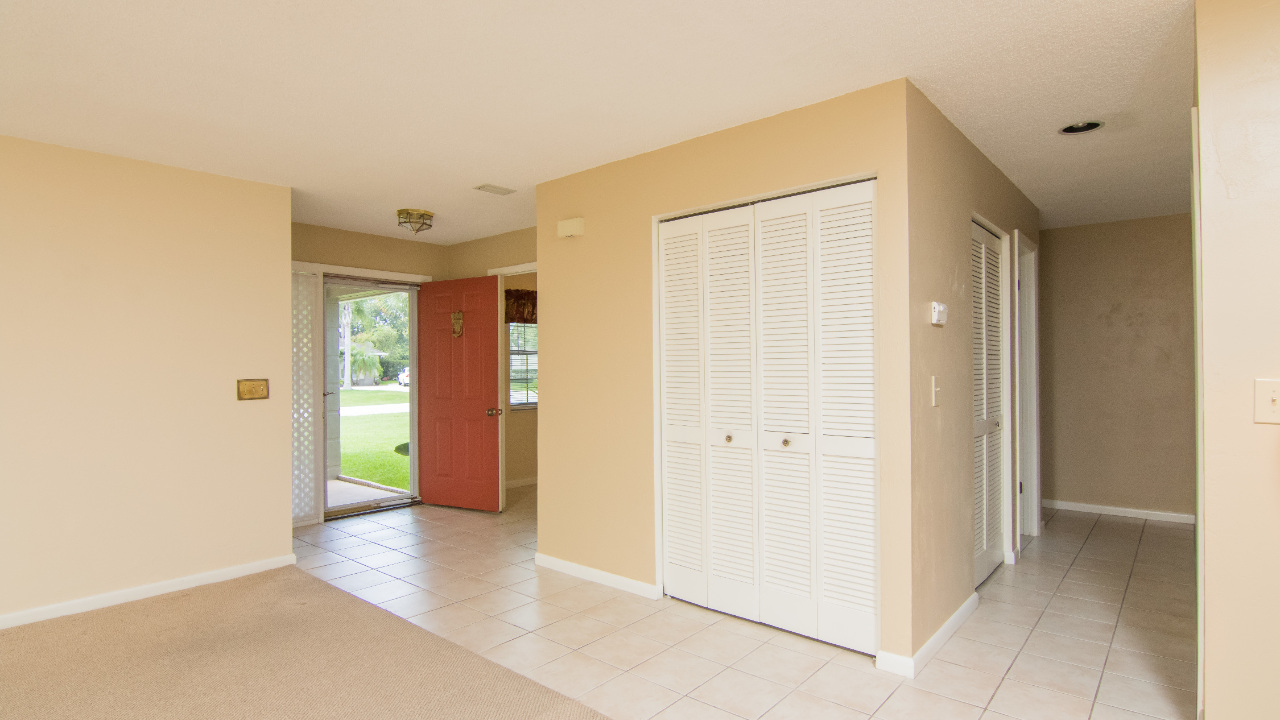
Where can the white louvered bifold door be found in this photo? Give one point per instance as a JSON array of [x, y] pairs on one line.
[[848, 589], [682, 324], [768, 413], [985, 282], [788, 488], [308, 384], [730, 362]]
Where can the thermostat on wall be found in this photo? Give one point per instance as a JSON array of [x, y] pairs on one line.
[[573, 227], [938, 313]]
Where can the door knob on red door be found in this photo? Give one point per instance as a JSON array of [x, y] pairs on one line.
[[493, 411]]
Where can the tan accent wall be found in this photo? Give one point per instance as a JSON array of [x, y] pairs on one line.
[[949, 180], [477, 257], [1239, 149], [521, 425], [136, 295], [331, 246], [596, 443], [1117, 363]]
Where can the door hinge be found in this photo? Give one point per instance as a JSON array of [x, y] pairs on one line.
[[1019, 487]]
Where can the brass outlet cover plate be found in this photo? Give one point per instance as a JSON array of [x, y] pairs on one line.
[[252, 389]]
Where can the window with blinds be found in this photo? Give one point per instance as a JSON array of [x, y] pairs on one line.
[[524, 364]]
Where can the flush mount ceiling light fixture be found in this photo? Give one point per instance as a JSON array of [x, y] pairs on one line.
[[415, 220], [1081, 127], [495, 189]]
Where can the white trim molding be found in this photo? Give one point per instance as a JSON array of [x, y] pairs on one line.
[[1121, 511], [515, 269], [116, 597], [636, 587], [322, 269], [911, 666]]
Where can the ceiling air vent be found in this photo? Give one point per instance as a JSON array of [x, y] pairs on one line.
[[495, 189]]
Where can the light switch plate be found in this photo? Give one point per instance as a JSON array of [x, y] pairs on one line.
[[1266, 401], [251, 389]]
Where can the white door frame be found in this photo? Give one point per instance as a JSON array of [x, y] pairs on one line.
[[318, 407], [504, 370], [1027, 353]]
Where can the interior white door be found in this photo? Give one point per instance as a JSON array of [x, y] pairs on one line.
[[681, 328], [788, 493], [731, 461], [988, 361], [1028, 393], [848, 593]]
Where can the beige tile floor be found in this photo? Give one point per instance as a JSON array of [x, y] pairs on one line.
[[1097, 621]]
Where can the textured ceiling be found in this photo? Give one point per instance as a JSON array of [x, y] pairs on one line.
[[364, 107]]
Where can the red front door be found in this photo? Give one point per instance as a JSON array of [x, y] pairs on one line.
[[457, 392]]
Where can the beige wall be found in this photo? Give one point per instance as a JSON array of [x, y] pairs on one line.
[[331, 246], [136, 295], [478, 257], [596, 444], [475, 258], [949, 180], [1117, 363], [521, 425], [1239, 72]]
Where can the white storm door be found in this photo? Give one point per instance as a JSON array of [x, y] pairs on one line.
[[308, 387], [988, 446], [684, 491], [848, 591], [788, 490], [730, 363]]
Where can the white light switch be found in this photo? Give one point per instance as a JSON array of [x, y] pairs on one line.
[[1266, 401]]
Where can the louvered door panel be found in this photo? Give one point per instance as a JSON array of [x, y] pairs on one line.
[[847, 551], [730, 362], [787, 535], [986, 305], [992, 314], [788, 494], [783, 233], [682, 327]]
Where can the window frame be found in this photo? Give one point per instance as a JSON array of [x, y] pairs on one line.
[[512, 354]]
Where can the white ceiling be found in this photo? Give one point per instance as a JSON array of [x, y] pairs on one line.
[[365, 107]]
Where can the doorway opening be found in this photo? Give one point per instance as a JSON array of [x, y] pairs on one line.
[[369, 395], [519, 370]]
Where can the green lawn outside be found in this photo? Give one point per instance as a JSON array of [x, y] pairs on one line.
[[353, 398], [369, 441]]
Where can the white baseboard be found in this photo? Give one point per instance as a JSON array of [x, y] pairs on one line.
[[643, 589], [521, 482], [1122, 512], [116, 597], [909, 666]]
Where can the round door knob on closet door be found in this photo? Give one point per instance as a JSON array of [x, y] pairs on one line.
[[786, 442], [728, 438]]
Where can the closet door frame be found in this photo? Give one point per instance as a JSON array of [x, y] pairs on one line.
[[1008, 393]]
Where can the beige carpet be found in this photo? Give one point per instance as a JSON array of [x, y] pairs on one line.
[[280, 644]]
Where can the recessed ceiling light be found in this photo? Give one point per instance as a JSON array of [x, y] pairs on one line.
[[495, 189], [1080, 127]]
